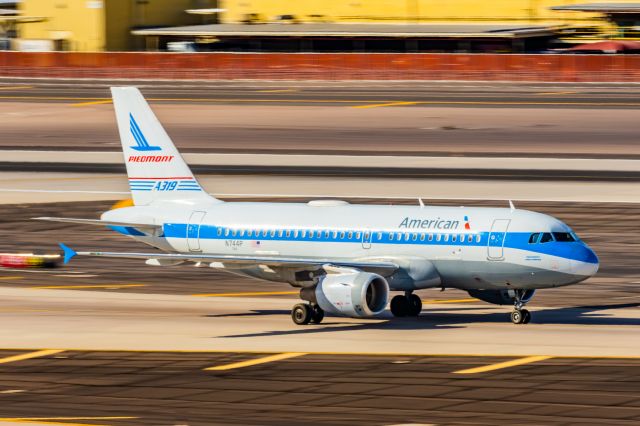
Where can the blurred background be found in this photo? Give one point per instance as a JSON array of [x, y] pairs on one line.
[[315, 26]]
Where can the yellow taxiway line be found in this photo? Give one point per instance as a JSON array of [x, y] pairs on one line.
[[263, 360], [438, 301], [278, 91], [30, 355], [366, 103], [501, 365], [102, 102], [555, 93], [15, 87], [256, 293], [61, 421], [71, 287], [388, 104]]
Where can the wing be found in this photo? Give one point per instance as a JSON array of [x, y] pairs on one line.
[[143, 226], [381, 267]]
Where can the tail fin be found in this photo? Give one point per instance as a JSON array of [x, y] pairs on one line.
[[156, 170]]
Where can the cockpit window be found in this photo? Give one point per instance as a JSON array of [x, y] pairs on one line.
[[533, 239], [563, 237], [546, 237]]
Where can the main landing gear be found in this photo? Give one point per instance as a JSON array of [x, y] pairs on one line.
[[520, 315], [408, 305], [304, 313]]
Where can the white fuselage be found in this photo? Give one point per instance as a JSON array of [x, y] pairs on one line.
[[470, 248]]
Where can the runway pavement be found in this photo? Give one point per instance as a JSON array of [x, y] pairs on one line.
[[369, 119], [116, 342]]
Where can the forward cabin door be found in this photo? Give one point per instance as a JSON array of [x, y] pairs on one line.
[[497, 236], [193, 230]]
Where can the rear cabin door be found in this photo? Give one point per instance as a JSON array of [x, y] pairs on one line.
[[497, 236], [193, 230]]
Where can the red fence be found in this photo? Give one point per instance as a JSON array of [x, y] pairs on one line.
[[317, 66]]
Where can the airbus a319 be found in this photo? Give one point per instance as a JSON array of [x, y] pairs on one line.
[[346, 259]]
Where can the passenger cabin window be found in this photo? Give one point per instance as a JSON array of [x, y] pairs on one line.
[[533, 239], [563, 237], [430, 237], [470, 239], [546, 237], [391, 237], [358, 235], [454, 238], [219, 231], [422, 237], [478, 238], [379, 236]]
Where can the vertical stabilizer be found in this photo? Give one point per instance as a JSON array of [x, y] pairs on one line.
[[156, 170]]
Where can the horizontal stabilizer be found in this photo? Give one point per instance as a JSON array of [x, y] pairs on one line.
[[97, 222]]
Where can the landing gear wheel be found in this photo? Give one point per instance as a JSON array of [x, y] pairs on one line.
[[526, 316], [415, 305], [400, 306], [301, 314], [317, 314], [517, 317]]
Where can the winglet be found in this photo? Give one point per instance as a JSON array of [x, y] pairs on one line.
[[69, 253]]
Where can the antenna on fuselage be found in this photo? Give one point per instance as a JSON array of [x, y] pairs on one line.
[[421, 202], [511, 206]]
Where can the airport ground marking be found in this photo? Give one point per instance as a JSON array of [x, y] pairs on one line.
[[102, 102], [388, 104], [15, 87], [333, 101], [258, 361], [61, 421], [29, 355], [278, 91], [72, 287], [246, 294], [439, 301], [506, 364], [11, 278], [555, 93]]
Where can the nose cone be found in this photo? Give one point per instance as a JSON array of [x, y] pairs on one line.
[[586, 262]]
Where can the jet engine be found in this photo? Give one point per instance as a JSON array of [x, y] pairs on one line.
[[356, 294], [500, 297]]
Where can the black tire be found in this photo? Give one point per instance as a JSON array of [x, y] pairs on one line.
[[517, 317], [399, 306], [317, 314], [415, 305], [301, 314], [526, 316]]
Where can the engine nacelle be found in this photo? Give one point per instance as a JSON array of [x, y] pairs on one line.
[[500, 297], [357, 294]]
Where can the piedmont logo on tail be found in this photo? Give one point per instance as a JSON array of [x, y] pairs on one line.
[[346, 259]]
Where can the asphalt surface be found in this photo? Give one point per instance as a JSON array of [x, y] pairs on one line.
[[172, 388], [491, 120]]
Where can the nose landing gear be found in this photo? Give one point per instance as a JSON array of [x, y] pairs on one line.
[[520, 315], [409, 305]]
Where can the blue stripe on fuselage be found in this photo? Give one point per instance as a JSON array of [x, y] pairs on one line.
[[514, 240]]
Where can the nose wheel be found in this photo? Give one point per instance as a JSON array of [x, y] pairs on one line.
[[519, 314], [408, 305]]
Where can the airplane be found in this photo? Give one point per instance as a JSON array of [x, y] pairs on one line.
[[345, 258]]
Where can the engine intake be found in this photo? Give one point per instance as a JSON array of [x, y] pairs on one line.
[[358, 294]]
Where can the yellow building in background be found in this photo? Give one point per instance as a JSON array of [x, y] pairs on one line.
[[405, 11], [96, 25]]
